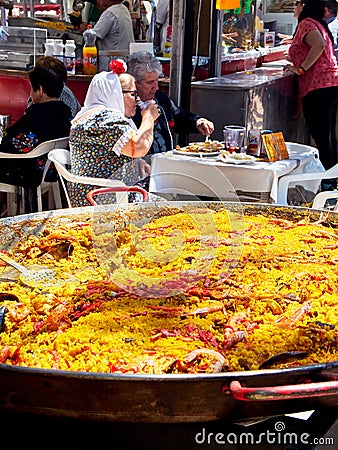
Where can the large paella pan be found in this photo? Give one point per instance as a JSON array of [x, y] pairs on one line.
[[170, 312]]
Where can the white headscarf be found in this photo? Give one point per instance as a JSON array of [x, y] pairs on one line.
[[104, 91]]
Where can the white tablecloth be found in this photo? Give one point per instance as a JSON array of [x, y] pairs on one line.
[[207, 176]]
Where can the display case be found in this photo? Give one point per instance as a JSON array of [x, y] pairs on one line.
[[266, 100], [278, 6], [245, 29], [21, 46], [280, 11]]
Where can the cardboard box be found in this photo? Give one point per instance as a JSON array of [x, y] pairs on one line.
[[274, 146], [269, 39]]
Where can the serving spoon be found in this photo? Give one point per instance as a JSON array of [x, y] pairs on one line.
[[32, 277]]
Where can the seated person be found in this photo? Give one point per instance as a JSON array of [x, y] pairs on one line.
[[146, 69], [104, 139], [47, 118], [67, 95]]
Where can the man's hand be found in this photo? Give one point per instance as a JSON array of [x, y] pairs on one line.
[[83, 26], [144, 168], [205, 127]]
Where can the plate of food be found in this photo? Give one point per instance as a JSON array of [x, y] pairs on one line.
[[236, 158], [207, 148]]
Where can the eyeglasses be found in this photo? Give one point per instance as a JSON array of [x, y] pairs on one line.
[[133, 93]]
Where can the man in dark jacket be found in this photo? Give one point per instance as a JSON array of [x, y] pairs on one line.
[[146, 69]]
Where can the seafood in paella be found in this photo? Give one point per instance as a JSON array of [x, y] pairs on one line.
[[191, 292]]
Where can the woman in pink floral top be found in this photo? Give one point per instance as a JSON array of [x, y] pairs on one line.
[[312, 55]]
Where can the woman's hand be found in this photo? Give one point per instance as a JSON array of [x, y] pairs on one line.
[[290, 68], [285, 38], [152, 111], [145, 134]]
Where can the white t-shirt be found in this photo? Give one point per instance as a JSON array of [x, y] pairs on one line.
[[333, 27]]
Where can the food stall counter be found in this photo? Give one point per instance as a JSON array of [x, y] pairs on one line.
[[240, 80], [266, 99]]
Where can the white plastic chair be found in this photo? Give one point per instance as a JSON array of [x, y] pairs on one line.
[[52, 187], [319, 201], [297, 147], [61, 159]]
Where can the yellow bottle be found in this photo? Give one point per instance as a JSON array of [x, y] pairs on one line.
[[257, 32], [89, 52], [167, 50]]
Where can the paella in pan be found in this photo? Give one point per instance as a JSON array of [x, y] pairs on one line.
[[183, 291]]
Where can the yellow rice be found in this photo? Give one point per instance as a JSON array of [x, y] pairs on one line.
[[266, 287]]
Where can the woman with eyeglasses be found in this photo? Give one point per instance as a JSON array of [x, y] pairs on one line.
[[104, 140], [314, 63]]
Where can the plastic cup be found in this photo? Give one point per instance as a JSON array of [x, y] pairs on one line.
[[250, 62], [233, 138]]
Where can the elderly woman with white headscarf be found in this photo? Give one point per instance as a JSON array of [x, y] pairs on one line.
[[103, 138]]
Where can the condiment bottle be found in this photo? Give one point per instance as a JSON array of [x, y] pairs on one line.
[[254, 143], [49, 47], [58, 49], [89, 52], [69, 59]]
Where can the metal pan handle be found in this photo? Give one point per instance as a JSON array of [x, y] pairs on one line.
[[91, 194], [305, 390]]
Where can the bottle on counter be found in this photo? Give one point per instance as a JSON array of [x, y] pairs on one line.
[[78, 64], [254, 143], [58, 50], [257, 32], [89, 52], [49, 47], [69, 59]]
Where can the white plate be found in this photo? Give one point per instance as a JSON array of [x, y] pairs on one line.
[[198, 154], [248, 160]]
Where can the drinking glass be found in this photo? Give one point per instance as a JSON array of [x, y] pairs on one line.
[[233, 138], [250, 62]]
